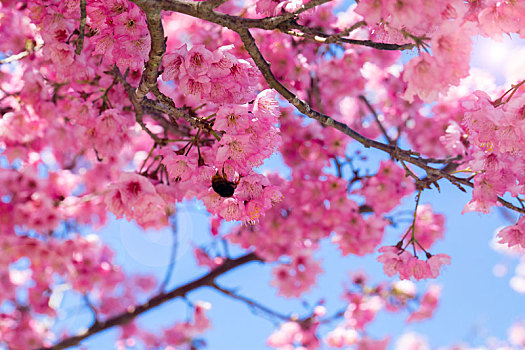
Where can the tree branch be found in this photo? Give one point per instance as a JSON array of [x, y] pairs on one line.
[[15, 57], [376, 117], [252, 304], [81, 28], [173, 254], [123, 318], [157, 50], [323, 38]]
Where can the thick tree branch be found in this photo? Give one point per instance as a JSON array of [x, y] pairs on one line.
[[123, 318], [213, 4], [284, 23], [157, 50]]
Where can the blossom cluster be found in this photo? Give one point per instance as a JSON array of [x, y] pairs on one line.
[[83, 263], [216, 76], [398, 261], [248, 136], [513, 235], [494, 131]]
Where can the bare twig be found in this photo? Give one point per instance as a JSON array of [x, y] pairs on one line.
[[252, 304], [376, 117], [81, 28], [15, 57], [173, 255]]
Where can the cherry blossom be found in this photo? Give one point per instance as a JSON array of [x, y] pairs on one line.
[[127, 110]]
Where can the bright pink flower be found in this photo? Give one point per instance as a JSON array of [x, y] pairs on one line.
[[435, 262], [173, 63], [424, 79], [513, 235], [197, 61]]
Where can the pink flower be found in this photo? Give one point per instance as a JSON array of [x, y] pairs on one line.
[[424, 78], [173, 63], [513, 235], [180, 167], [435, 262], [135, 197], [400, 261], [197, 61], [393, 259]]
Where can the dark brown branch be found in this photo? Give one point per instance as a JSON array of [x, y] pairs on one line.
[[157, 50], [200, 10], [139, 113], [213, 4], [182, 291], [81, 28], [285, 23], [302, 31]]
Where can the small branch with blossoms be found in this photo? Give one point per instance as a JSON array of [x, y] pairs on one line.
[[301, 31], [305, 108], [397, 259]]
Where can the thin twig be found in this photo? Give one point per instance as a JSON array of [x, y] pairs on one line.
[[173, 255], [15, 57], [81, 28], [376, 117], [252, 304]]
